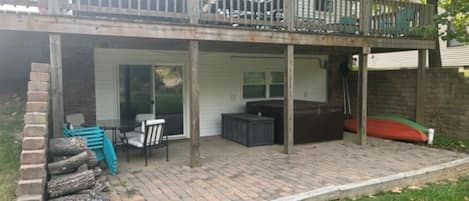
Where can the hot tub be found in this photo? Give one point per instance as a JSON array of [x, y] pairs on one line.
[[313, 121]]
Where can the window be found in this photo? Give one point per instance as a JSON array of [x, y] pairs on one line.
[[262, 85], [453, 43], [254, 85], [276, 84]]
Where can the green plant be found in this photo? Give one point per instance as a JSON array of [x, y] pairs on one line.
[[451, 143]]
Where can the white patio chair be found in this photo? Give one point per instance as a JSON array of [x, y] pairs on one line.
[[143, 117], [139, 118], [153, 137]]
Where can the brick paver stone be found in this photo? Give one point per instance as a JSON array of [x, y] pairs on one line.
[[233, 172]]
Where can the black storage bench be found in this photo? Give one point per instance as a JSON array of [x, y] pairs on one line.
[[248, 129]]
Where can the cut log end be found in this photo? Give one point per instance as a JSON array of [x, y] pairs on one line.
[[66, 146], [68, 165], [71, 183]]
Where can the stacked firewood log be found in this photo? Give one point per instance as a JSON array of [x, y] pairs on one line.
[[74, 172]]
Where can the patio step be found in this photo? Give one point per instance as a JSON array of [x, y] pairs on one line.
[[429, 174]]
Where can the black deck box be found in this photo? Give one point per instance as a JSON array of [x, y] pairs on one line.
[[313, 121], [247, 129]]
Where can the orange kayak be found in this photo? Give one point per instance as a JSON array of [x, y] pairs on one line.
[[388, 129]]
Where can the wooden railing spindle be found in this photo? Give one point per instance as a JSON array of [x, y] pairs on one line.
[[139, 6], [223, 10], [252, 12], [245, 13], [272, 13], [384, 18], [258, 11]]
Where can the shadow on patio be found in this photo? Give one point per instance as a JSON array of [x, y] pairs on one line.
[[233, 172]]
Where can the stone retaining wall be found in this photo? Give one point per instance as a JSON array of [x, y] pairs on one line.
[[33, 161]]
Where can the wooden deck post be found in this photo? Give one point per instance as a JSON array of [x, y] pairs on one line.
[[288, 81], [288, 109], [362, 95], [420, 105], [56, 84], [194, 103], [290, 14], [365, 19], [53, 7], [193, 9]]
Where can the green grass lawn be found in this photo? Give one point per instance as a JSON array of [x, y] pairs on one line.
[[449, 191], [11, 122]]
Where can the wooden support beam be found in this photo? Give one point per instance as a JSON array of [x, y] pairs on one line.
[[55, 45], [399, 43], [56, 24], [288, 101], [420, 105], [362, 95], [194, 103]]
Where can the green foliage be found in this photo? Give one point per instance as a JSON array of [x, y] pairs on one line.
[[450, 191], [427, 31], [451, 143], [456, 13]]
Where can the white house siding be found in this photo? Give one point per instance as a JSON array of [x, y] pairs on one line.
[[451, 57], [220, 78]]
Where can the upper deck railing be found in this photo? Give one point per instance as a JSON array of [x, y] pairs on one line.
[[381, 18]]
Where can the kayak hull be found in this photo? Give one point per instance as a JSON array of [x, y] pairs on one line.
[[403, 120], [388, 129]]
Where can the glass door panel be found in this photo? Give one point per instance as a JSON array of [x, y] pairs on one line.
[[135, 90], [169, 97]]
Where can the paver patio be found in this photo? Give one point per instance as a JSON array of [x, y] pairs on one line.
[[234, 172]]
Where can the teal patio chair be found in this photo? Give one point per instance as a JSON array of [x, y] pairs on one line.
[[98, 142], [350, 24], [403, 19]]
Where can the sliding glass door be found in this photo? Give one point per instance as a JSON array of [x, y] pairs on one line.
[[135, 91], [153, 89], [169, 97]]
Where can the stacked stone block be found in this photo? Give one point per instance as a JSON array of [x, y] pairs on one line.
[[33, 161]]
